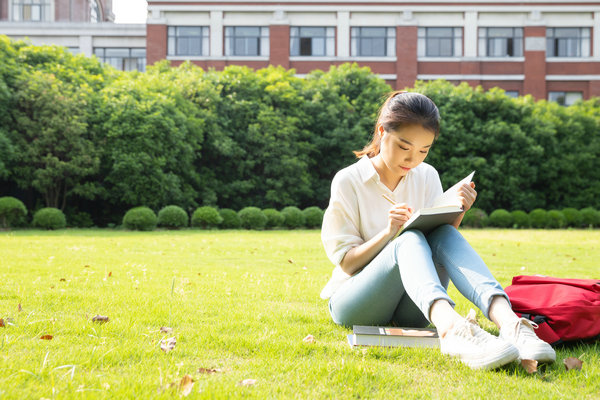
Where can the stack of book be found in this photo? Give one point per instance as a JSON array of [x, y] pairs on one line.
[[393, 337]]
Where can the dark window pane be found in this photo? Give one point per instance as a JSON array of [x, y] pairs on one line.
[[305, 46]]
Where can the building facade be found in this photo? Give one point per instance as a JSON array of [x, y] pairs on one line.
[[549, 49], [83, 26]]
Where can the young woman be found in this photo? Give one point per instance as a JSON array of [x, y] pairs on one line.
[[379, 280]]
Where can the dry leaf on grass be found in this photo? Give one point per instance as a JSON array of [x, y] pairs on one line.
[[166, 329], [290, 261], [110, 274], [208, 371], [529, 365], [186, 384], [2, 325], [19, 308], [167, 345], [248, 382], [100, 319], [63, 280], [46, 337], [309, 339], [572, 363], [86, 266]]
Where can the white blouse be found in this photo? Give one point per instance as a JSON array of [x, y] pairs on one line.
[[357, 210]]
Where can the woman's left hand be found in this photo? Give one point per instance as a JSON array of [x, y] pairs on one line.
[[467, 195]]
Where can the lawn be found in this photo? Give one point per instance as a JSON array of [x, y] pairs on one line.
[[240, 304]]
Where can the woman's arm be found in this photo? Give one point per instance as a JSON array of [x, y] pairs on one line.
[[467, 195], [357, 257]]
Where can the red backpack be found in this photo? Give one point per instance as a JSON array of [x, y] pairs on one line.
[[564, 309]]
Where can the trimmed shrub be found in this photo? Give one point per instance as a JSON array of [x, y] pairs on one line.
[[80, 219], [590, 217], [573, 217], [49, 218], [12, 212], [172, 217], [206, 217], [501, 218], [475, 218], [313, 217], [231, 219], [538, 218], [520, 219], [293, 217], [556, 219], [252, 218], [140, 219], [274, 218]]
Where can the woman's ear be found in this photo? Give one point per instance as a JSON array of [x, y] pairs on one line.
[[380, 130]]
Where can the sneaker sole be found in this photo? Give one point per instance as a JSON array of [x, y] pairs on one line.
[[541, 355], [503, 356]]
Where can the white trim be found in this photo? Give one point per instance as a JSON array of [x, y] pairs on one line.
[[311, 58], [500, 59], [573, 77], [216, 34], [440, 59], [596, 37], [363, 1], [223, 58], [572, 59], [368, 59], [387, 77], [472, 77], [470, 34], [343, 33]]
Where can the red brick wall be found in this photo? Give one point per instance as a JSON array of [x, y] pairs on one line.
[[62, 10], [156, 43], [594, 89], [279, 38], [571, 86], [3, 10], [406, 54], [535, 65]]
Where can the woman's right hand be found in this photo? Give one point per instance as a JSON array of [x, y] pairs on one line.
[[397, 217]]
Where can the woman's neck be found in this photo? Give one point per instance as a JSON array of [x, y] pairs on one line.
[[387, 177]]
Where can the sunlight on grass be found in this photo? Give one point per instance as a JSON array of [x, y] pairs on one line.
[[240, 303]]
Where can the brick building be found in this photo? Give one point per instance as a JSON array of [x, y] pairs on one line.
[[83, 26], [547, 48]]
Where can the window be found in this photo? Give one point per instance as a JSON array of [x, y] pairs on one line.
[[312, 41], [31, 10], [501, 42], [568, 42], [512, 93], [124, 59], [439, 42], [565, 98], [373, 42], [246, 41], [187, 41]]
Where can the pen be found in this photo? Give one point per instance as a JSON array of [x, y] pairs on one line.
[[388, 199]]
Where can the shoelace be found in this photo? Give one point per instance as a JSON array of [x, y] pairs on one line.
[[469, 330], [522, 331]]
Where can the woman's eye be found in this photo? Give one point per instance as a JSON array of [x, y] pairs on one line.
[[424, 152], [403, 148]]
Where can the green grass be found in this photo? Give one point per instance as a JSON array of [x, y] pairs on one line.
[[240, 302]]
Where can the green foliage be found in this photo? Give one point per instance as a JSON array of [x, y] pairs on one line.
[[172, 217], [538, 218], [590, 217], [313, 217], [49, 218], [475, 218], [573, 217], [556, 219], [12, 211], [252, 218], [501, 218], [520, 219], [293, 218], [206, 217], [140, 219], [231, 219], [79, 219], [274, 218]]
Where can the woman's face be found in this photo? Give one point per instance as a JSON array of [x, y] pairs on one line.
[[404, 149]]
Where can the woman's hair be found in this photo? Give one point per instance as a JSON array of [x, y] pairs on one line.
[[402, 109]]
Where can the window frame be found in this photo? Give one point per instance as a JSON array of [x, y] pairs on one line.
[[18, 10], [555, 95], [356, 41], [553, 42], [140, 60], [328, 39], [424, 38], [173, 41], [262, 41], [485, 40]]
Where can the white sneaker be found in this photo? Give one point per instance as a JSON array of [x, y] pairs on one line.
[[530, 346], [476, 347]]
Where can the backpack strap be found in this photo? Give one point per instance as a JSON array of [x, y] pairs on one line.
[[544, 331]]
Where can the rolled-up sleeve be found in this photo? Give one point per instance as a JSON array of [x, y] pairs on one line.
[[340, 230]]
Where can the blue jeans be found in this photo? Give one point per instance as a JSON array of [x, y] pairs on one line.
[[401, 283]]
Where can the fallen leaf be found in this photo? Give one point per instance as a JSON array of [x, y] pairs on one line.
[[166, 329], [110, 274], [291, 261], [572, 363], [100, 319], [309, 339], [86, 266], [46, 337], [19, 308], [248, 382], [494, 254], [208, 371], [186, 385], [52, 287], [167, 345], [63, 280], [2, 325], [529, 365]]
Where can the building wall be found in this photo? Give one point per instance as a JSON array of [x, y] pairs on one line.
[[533, 73], [64, 10]]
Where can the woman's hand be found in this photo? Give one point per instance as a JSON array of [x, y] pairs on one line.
[[397, 217], [467, 195]]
